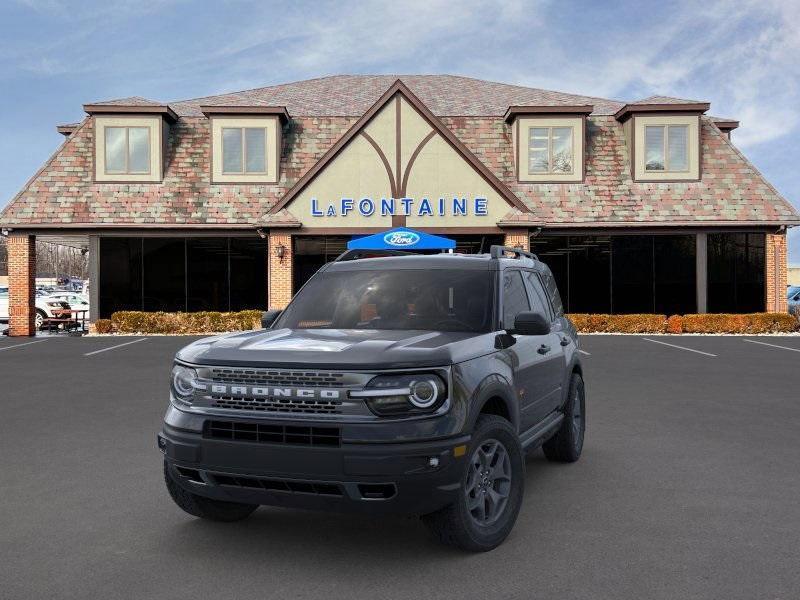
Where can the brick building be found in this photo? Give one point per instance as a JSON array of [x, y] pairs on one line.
[[233, 201]]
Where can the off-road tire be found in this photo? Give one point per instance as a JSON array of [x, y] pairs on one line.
[[454, 525], [205, 508], [567, 444]]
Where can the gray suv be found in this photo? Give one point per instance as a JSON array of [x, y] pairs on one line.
[[399, 384]]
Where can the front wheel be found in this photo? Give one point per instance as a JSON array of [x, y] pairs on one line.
[[491, 490], [566, 445], [205, 508]]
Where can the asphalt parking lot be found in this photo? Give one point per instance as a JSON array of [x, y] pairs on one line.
[[688, 488]]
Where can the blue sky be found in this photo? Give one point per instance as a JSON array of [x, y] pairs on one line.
[[56, 55]]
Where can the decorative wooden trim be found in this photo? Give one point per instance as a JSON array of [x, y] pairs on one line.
[[515, 111], [131, 109], [412, 158], [384, 160], [279, 111], [630, 109], [398, 87]]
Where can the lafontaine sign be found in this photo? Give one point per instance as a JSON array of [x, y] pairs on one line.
[[422, 207]]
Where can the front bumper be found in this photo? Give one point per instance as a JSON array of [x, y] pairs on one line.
[[409, 478]]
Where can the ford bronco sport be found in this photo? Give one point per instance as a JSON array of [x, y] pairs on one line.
[[396, 384]]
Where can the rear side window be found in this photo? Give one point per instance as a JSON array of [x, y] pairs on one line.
[[552, 291], [515, 298], [537, 295]]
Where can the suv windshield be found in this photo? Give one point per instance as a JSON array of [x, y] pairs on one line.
[[437, 300]]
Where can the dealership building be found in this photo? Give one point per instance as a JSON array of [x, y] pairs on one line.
[[233, 201]]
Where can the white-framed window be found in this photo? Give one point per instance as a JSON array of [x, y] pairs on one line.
[[244, 150], [550, 150], [127, 150], [666, 148]]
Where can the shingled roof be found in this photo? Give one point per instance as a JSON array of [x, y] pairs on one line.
[[352, 95], [731, 191]]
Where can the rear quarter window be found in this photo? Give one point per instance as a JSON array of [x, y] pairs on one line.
[[552, 291]]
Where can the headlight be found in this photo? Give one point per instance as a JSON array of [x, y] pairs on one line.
[[398, 395], [183, 379]]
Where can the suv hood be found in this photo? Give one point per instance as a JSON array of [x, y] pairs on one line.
[[338, 348]]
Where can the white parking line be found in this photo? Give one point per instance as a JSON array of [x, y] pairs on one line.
[[771, 345], [20, 345], [680, 347], [113, 347], [584, 352]]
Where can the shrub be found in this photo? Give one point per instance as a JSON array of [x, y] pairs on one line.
[[675, 324], [746, 323], [197, 322], [706, 323], [619, 323], [103, 326]]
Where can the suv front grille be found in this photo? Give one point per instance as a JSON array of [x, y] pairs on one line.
[[272, 377], [282, 405], [272, 434]]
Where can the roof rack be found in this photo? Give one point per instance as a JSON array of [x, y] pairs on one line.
[[501, 251], [357, 254]]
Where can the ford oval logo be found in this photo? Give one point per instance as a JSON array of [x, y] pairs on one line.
[[401, 238]]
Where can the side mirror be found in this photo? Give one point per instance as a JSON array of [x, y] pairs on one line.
[[268, 318], [531, 323]]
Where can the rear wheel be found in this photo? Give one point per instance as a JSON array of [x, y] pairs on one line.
[[39, 319], [205, 508], [491, 490], [566, 445]]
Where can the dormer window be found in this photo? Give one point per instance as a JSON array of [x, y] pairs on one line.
[[550, 150], [244, 150], [548, 142], [666, 148], [245, 143], [127, 150], [129, 140]]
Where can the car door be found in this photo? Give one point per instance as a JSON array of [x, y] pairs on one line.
[[526, 356], [551, 371]]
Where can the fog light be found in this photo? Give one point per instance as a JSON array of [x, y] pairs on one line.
[[433, 461]]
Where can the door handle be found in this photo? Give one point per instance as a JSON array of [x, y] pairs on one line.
[[543, 349]]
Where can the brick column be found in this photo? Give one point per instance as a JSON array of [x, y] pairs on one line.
[[280, 270], [775, 273], [517, 238], [21, 284]]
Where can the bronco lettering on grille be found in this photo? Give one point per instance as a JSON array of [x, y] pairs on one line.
[[259, 391]]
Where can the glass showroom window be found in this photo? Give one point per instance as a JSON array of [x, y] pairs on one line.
[[244, 150], [666, 148], [550, 150], [127, 150]]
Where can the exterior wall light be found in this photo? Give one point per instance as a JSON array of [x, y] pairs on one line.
[[280, 252]]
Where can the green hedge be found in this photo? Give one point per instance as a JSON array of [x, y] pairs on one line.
[[196, 322]]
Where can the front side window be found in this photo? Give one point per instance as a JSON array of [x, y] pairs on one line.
[[407, 299], [244, 150], [666, 147], [127, 150], [550, 150]]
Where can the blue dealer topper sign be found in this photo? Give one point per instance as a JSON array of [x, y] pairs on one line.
[[424, 207]]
